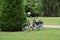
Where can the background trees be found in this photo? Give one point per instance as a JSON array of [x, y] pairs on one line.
[[51, 8], [33, 7], [13, 15], [47, 8]]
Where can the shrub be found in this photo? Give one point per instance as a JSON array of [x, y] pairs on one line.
[[13, 15]]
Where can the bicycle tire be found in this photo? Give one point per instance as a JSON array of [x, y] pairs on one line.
[[25, 27]]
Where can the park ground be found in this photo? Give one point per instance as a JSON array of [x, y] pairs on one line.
[[49, 20], [43, 34]]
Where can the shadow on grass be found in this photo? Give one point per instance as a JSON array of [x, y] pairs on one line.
[[20, 31], [11, 31]]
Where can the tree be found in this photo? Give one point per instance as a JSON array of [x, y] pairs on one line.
[[13, 15], [51, 8], [33, 7]]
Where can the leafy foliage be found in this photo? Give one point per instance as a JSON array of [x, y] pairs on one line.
[[32, 7], [12, 18], [47, 8], [51, 7]]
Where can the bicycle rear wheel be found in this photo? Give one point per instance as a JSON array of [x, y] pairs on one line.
[[25, 27]]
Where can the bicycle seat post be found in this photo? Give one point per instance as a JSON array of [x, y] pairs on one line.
[[29, 13]]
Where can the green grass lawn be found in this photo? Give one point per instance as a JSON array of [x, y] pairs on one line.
[[43, 34], [49, 20]]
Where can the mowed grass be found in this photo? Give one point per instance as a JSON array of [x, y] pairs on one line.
[[43, 34], [49, 20]]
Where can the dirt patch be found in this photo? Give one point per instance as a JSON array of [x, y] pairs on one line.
[[52, 26]]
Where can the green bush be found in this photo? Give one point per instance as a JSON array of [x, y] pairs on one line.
[[13, 15]]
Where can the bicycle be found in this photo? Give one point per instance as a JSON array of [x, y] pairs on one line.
[[27, 26]]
